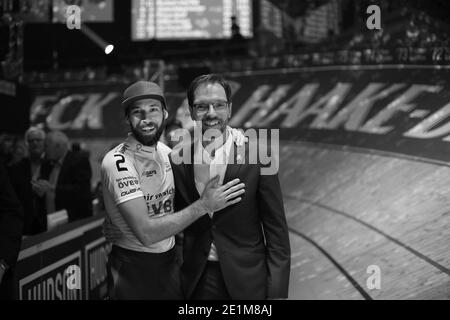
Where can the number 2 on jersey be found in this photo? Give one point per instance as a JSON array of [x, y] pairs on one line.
[[118, 162]]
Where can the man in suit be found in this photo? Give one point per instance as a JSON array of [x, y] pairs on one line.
[[23, 174], [243, 252], [66, 178], [11, 224]]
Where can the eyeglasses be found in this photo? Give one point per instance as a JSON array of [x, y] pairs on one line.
[[203, 107]]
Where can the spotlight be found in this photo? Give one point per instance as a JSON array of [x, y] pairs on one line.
[[109, 48]]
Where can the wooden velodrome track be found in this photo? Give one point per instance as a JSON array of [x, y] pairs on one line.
[[348, 210]]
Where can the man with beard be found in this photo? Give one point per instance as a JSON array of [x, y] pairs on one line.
[[138, 191], [243, 251]]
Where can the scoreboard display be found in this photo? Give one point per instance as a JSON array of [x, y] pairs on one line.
[[189, 19], [91, 10]]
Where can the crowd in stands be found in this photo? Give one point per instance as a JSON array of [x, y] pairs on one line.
[[48, 175]]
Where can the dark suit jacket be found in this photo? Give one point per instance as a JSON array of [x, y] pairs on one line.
[[35, 214], [251, 236], [11, 220], [73, 188], [11, 224]]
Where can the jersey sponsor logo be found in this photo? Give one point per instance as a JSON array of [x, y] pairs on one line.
[[148, 173], [165, 193], [123, 184], [126, 178], [125, 193], [123, 148], [161, 207], [138, 147], [153, 197]]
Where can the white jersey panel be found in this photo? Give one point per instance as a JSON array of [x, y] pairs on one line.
[[131, 171]]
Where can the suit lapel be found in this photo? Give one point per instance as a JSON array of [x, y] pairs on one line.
[[190, 178], [233, 166], [231, 172], [64, 167]]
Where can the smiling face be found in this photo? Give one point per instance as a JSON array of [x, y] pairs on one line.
[[146, 119], [211, 107]]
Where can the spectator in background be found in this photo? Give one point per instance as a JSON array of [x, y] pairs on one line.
[[67, 178], [235, 29], [237, 41], [19, 151], [11, 224], [6, 148], [24, 174]]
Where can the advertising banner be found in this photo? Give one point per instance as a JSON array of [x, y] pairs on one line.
[[397, 108], [393, 109], [68, 264]]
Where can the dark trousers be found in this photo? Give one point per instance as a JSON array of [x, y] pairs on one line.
[[140, 275], [211, 285]]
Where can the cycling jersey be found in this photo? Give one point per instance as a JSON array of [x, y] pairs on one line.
[[132, 170]]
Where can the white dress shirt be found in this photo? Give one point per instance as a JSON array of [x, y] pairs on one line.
[[206, 167]]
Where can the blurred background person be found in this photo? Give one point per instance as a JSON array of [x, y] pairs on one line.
[[235, 29], [19, 151], [11, 226], [6, 148], [66, 178], [24, 174], [237, 44]]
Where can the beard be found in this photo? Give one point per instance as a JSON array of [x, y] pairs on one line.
[[149, 140]]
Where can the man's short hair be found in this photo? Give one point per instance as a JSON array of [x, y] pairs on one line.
[[32, 130], [207, 78], [59, 137]]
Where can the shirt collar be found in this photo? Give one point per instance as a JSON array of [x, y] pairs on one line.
[[224, 149], [138, 147]]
